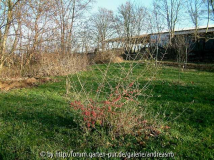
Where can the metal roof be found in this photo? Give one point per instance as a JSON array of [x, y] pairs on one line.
[[145, 37]]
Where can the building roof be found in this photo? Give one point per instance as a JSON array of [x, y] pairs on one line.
[[145, 37], [189, 31]]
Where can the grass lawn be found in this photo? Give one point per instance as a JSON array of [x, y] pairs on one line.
[[40, 119]]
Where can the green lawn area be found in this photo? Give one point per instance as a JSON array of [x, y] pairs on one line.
[[40, 119]]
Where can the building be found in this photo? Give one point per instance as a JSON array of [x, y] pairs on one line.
[[199, 44]]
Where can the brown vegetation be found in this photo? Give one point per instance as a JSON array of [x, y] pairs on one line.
[[112, 56], [36, 41], [46, 65], [6, 85]]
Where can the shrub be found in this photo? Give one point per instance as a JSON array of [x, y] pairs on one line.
[[117, 107], [45, 64], [110, 56]]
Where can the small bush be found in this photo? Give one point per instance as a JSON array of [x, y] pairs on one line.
[[115, 108], [110, 56]]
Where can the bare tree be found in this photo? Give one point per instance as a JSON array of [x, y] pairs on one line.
[[157, 26], [102, 24], [68, 13], [85, 37], [131, 21], [131, 17], [195, 11], [36, 21], [170, 10], [210, 5], [30, 29], [210, 11], [6, 23]]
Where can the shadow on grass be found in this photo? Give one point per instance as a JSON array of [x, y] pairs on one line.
[[208, 67], [41, 117], [192, 102], [34, 123], [48, 111]]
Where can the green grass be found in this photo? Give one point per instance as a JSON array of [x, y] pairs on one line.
[[40, 119]]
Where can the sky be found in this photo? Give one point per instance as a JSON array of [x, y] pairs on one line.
[[114, 4]]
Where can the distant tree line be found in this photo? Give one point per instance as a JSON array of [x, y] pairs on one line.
[[32, 27]]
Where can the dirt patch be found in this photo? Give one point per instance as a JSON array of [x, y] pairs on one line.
[[6, 85]]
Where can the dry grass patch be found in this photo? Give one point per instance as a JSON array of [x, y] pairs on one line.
[[45, 64], [6, 85], [110, 56]]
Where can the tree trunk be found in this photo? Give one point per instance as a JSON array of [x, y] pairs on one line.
[[6, 32]]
